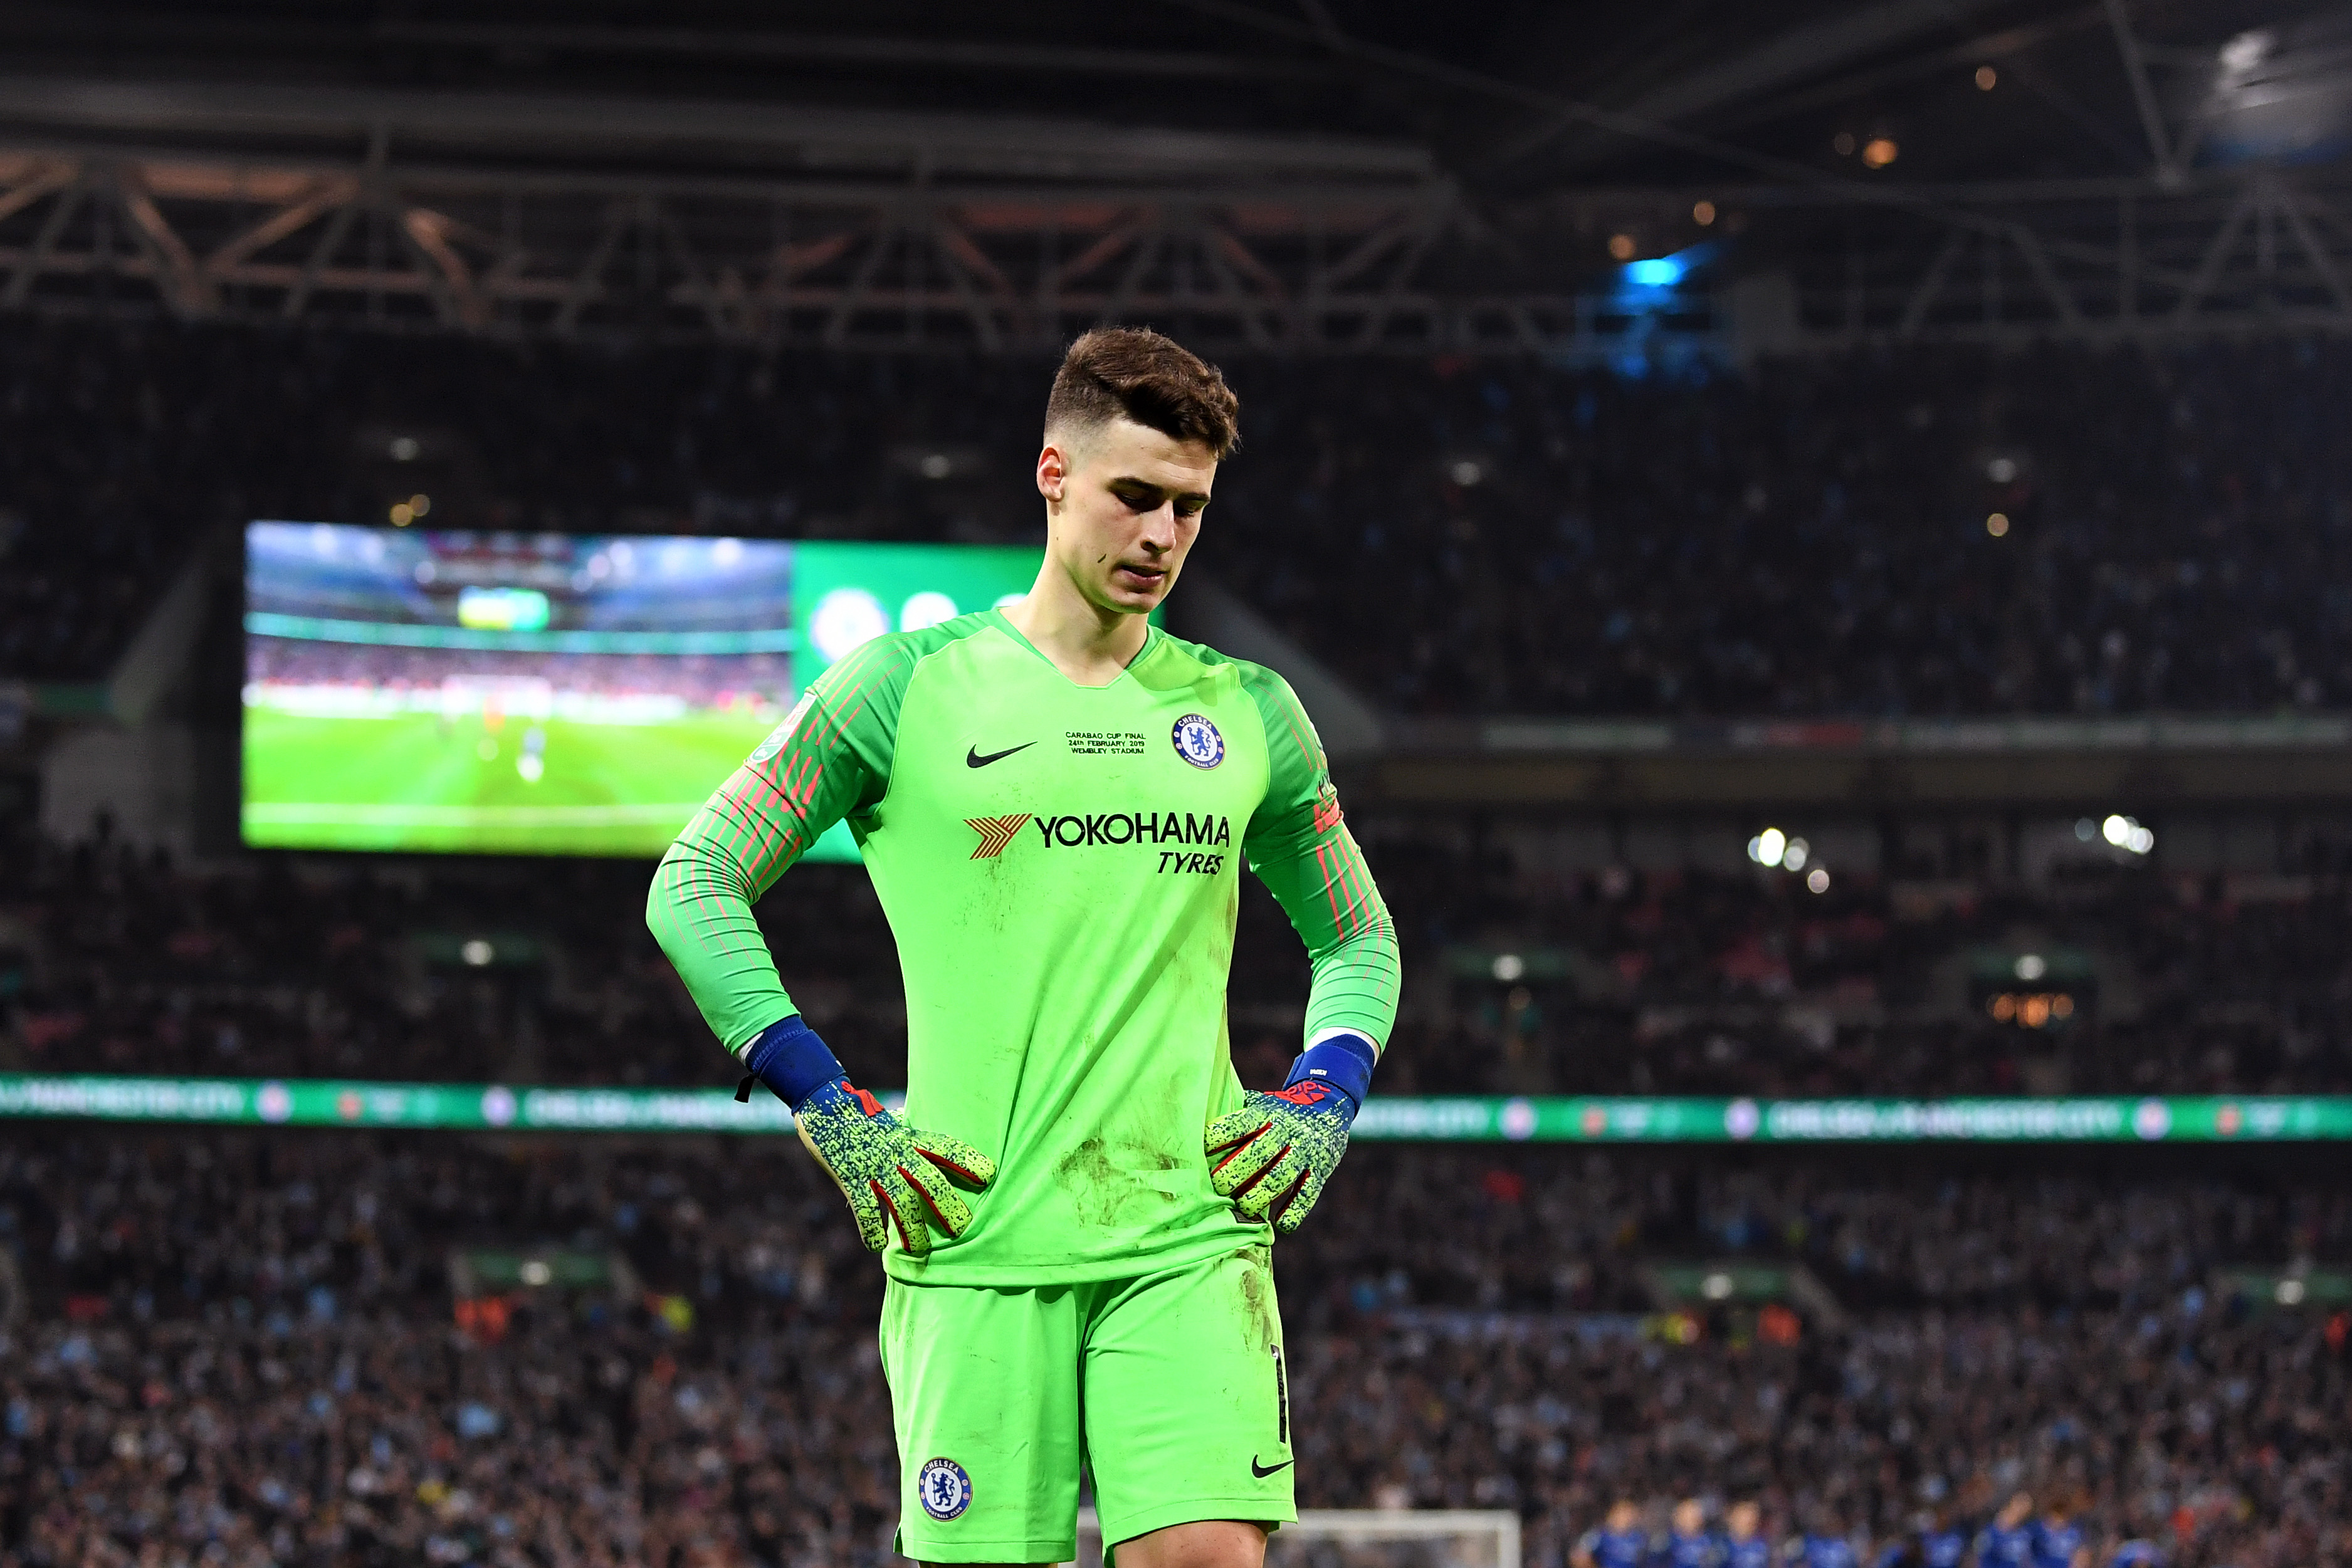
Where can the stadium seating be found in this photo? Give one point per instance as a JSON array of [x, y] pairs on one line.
[[287, 1344], [272, 1348], [1454, 536], [1905, 442]]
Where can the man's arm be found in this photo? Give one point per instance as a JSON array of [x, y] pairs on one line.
[[1299, 846], [828, 760], [1273, 1155]]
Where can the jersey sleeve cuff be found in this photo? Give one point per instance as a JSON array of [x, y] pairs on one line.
[[1343, 1060], [788, 1057]]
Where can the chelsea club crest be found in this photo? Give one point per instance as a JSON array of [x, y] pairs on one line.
[[943, 1488], [1197, 742]]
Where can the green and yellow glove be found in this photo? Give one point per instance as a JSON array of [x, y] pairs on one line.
[[894, 1175], [1272, 1155]]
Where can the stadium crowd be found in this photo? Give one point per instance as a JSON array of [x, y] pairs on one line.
[[329, 667], [1454, 537], [248, 1348], [1749, 983], [542, 972]]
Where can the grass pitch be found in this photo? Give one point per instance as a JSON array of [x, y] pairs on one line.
[[418, 782]]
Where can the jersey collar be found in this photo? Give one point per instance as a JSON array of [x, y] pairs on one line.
[[1151, 639]]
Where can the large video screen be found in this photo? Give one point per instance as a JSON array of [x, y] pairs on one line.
[[548, 693]]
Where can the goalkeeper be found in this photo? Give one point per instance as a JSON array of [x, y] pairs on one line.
[[1055, 800]]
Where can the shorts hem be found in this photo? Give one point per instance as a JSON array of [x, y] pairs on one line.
[[1259, 1510], [1032, 1548]]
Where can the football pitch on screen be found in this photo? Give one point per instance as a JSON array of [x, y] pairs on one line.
[[421, 781]]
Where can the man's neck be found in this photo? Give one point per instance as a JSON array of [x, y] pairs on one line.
[[1086, 642]]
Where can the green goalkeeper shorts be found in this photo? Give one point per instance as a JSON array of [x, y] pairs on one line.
[[1169, 1389]]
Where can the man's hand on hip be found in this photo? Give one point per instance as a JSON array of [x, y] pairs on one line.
[[1272, 1155], [894, 1175]]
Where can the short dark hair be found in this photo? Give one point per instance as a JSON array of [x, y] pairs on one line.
[[1134, 372]]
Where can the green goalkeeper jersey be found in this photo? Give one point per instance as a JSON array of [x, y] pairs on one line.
[[1060, 867]]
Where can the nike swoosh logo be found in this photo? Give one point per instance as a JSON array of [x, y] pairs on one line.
[[972, 758], [1262, 1471]]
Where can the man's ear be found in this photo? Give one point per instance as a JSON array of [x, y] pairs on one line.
[[1052, 473]]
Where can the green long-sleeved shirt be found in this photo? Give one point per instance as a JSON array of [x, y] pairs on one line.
[[1059, 865]]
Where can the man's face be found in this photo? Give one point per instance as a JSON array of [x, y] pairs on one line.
[[2015, 1510], [1689, 1517], [1125, 506], [1623, 1516], [1744, 1518]]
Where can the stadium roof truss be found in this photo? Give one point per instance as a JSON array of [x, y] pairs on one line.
[[513, 216], [580, 217], [2257, 251], [1336, 268], [864, 264]]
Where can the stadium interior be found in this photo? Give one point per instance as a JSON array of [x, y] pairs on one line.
[[1817, 537]]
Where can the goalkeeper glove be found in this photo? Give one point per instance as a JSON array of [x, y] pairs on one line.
[[1272, 1155], [892, 1174]]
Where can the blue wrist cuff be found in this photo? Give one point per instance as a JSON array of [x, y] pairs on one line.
[[790, 1058], [1345, 1061]]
